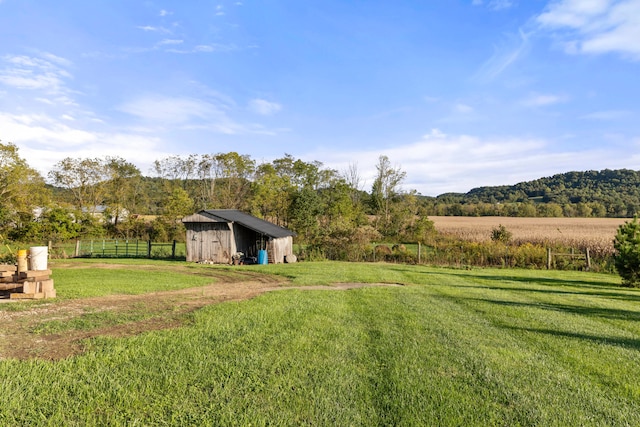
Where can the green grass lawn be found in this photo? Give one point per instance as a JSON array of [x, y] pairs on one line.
[[452, 347]]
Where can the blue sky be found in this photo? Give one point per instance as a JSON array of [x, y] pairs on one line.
[[457, 93]]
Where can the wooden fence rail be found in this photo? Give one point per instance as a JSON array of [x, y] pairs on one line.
[[573, 255]]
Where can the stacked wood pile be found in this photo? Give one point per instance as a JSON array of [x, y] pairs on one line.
[[29, 284]]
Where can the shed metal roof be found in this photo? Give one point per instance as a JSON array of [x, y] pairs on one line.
[[249, 221]]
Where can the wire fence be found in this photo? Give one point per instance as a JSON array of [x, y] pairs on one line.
[[124, 248]]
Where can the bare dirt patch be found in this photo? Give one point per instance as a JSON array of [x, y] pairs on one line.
[[21, 337]]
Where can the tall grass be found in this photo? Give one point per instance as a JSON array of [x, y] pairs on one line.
[[453, 347]]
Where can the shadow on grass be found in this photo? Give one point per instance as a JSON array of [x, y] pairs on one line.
[[553, 285], [543, 281], [612, 294], [631, 343], [478, 274], [607, 313]]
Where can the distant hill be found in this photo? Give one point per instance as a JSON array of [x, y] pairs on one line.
[[615, 191]]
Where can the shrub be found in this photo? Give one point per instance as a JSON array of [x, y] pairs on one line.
[[627, 253], [501, 234], [343, 243]]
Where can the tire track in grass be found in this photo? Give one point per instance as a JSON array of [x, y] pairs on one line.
[[57, 329], [548, 364], [418, 372]]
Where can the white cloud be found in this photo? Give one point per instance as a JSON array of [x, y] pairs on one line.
[[608, 115], [184, 113], [170, 110], [164, 12], [541, 100], [42, 129], [30, 73], [44, 141], [500, 4], [170, 42], [151, 28], [596, 26], [264, 107], [494, 4], [463, 108], [439, 163], [204, 48]]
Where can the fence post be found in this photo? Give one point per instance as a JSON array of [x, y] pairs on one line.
[[419, 252], [77, 252], [588, 260], [149, 249], [173, 250], [548, 258]]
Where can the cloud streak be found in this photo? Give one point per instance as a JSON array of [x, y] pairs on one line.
[[264, 107], [543, 100], [504, 56], [596, 26], [186, 113], [25, 72]]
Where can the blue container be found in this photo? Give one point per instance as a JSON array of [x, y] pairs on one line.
[[262, 257]]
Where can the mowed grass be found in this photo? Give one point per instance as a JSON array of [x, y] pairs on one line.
[[95, 282], [451, 347]]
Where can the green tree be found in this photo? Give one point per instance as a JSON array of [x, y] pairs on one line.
[[58, 224], [22, 189], [306, 206], [234, 173], [83, 178], [272, 194], [122, 187], [177, 205], [421, 231], [627, 252], [385, 190]]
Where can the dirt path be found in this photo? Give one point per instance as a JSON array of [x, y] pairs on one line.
[[22, 337]]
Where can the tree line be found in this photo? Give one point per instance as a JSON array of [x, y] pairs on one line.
[[110, 197], [330, 210], [606, 193]]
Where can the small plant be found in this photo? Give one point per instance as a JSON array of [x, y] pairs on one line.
[[8, 258], [627, 253], [501, 234]]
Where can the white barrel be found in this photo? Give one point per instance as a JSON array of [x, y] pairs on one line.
[[38, 257]]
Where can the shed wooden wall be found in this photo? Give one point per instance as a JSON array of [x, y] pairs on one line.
[[277, 249], [210, 241]]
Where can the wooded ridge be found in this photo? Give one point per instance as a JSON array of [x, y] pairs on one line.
[[612, 193]]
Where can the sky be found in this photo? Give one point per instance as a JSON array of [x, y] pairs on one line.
[[457, 93]]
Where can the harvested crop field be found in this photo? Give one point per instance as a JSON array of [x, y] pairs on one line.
[[592, 232]]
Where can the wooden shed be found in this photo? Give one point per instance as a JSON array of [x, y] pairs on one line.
[[217, 235]]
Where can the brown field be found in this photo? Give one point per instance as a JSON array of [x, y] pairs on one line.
[[595, 233]]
